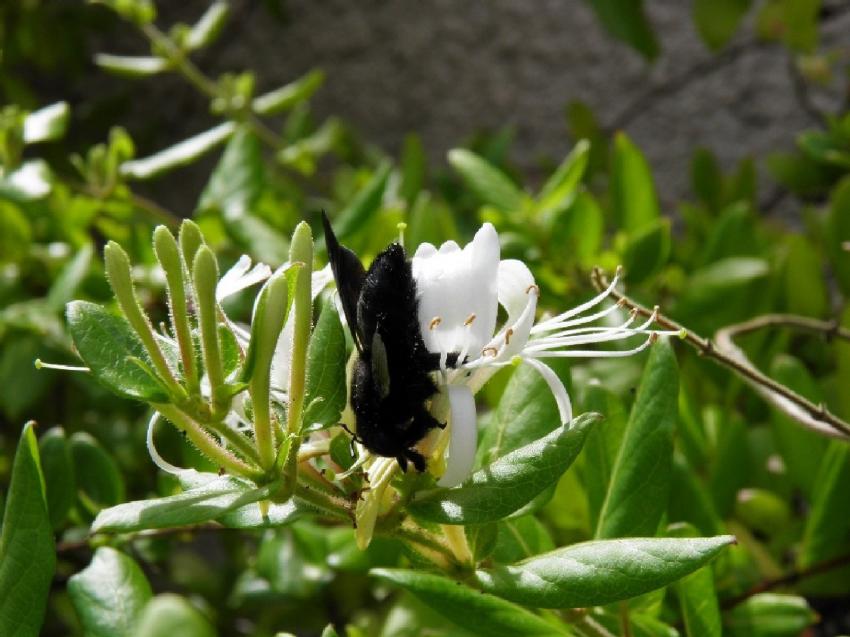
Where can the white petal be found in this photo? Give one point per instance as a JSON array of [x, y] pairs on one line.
[[158, 460], [513, 339], [320, 280], [460, 287], [562, 398], [514, 281], [241, 276], [464, 436]]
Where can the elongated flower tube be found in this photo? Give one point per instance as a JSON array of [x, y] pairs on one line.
[[459, 292]]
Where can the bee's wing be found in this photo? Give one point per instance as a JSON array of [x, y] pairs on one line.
[[349, 274]]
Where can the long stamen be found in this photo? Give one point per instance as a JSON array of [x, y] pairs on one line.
[[40, 364], [623, 327], [595, 353], [596, 300], [551, 324]]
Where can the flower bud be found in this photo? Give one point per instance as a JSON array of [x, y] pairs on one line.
[[205, 279]]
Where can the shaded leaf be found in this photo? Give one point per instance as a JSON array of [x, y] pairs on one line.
[[98, 477], [489, 183], [633, 198], [469, 608], [170, 614], [59, 479], [107, 344], [626, 20], [326, 391], [27, 556], [109, 594], [640, 481]]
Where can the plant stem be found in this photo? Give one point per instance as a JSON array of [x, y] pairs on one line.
[[204, 84], [739, 364], [206, 444]]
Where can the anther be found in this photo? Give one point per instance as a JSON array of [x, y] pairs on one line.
[[534, 287], [489, 351], [621, 302], [469, 319], [508, 333], [434, 322], [633, 312]]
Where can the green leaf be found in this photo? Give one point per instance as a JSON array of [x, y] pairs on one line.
[[647, 251], [107, 344], [633, 199], [507, 484], [180, 154], [473, 610], [805, 288], [626, 20], [519, 538], [238, 179], [65, 285], [170, 614], [278, 515], [46, 124], [717, 20], [838, 231], [697, 596], [131, 65], [526, 411], [600, 572], [802, 449], [414, 163], [290, 95], [602, 445], [640, 482], [207, 29], [794, 22], [325, 395], [97, 474], [60, 482], [560, 188], [488, 183], [27, 556], [769, 615], [109, 594], [364, 204], [209, 501], [578, 229], [828, 522]]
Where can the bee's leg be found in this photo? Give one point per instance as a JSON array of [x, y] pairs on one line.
[[354, 437], [431, 361], [416, 458], [402, 462]]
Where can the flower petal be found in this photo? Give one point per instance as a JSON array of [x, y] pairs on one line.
[[241, 276], [460, 288], [514, 280], [464, 436], [559, 392]]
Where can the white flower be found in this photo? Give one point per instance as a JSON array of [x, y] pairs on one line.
[[459, 293]]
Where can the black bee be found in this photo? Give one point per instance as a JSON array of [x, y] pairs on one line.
[[391, 380]]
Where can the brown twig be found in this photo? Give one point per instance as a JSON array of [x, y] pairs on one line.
[[739, 364], [789, 578]]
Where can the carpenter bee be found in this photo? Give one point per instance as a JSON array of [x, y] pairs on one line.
[[391, 379]]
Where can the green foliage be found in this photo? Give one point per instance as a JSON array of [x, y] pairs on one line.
[[27, 556], [622, 523], [505, 485], [109, 594]]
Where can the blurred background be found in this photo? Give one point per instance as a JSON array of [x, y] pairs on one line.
[[739, 89]]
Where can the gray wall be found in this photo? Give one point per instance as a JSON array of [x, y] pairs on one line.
[[446, 69]]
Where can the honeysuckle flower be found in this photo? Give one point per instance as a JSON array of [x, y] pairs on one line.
[[460, 291]]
